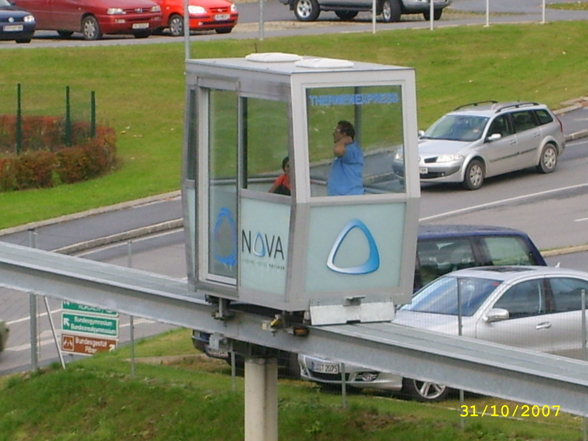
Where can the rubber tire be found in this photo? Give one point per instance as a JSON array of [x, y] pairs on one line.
[[292, 368], [346, 15], [91, 28], [176, 25], [391, 11], [424, 391], [474, 175], [548, 159], [306, 10], [23, 40], [223, 30], [437, 13], [65, 34]]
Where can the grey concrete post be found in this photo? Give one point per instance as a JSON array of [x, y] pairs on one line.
[[261, 399]]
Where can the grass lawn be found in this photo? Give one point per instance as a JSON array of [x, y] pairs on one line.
[[191, 398], [140, 91]]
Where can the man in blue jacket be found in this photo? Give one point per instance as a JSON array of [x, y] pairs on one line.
[[346, 176]]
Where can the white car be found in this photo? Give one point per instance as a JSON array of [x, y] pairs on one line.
[[531, 307], [485, 139]]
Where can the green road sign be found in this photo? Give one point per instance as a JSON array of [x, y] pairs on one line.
[[89, 325], [71, 306]]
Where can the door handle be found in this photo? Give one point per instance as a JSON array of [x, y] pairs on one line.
[[543, 325]]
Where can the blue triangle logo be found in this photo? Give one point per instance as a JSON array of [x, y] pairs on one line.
[[224, 220], [370, 265]]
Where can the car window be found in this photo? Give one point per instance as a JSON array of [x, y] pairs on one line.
[[523, 120], [457, 128], [525, 299], [501, 125], [439, 257], [543, 116], [441, 296], [507, 251], [567, 293]]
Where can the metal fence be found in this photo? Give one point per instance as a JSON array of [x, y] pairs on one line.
[[69, 105]]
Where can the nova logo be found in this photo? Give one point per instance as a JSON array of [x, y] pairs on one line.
[[225, 238], [373, 261], [262, 245]]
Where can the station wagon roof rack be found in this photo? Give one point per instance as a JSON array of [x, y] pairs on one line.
[[515, 105], [477, 104]]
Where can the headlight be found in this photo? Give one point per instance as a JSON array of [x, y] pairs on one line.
[[156, 8], [115, 11], [399, 156], [29, 19], [233, 8], [196, 10], [449, 158]]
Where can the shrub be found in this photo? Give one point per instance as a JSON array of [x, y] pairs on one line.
[[46, 160]]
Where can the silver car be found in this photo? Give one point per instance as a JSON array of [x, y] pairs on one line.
[[486, 139], [531, 307]]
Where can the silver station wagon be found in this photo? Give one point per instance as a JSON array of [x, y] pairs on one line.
[[485, 139]]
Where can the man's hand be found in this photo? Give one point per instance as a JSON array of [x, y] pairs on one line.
[[340, 148]]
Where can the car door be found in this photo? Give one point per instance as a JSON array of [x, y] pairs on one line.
[[528, 326], [67, 14], [41, 9], [528, 135], [500, 155], [566, 319]]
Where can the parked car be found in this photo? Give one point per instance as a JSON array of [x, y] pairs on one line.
[[218, 15], [391, 10], [95, 18], [531, 307], [15, 24], [3, 335], [445, 248], [485, 139]]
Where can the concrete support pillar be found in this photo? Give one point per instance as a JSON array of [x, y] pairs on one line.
[[261, 399]]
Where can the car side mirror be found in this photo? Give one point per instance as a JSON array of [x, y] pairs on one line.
[[421, 133], [494, 137], [496, 315]]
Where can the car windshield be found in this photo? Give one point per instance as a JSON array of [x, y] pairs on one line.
[[457, 128], [441, 295]]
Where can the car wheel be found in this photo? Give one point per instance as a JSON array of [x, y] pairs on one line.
[[23, 40], [436, 14], [391, 11], [548, 159], [176, 25], [346, 15], [65, 34], [91, 28], [306, 10], [423, 390], [474, 175], [223, 30], [292, 367]]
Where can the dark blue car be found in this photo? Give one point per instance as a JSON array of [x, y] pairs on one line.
[[15, 24]]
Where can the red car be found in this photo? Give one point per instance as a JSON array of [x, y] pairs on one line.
[[220, 15], [94, 18]]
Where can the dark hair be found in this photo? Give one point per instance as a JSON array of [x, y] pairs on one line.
[[285, 161], [347, 128]]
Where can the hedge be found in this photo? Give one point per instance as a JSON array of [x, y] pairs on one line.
[[46, 160]]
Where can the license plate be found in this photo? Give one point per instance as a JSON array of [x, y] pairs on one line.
[[222, 17], [423, 170], [12, 28], [325, 368], [140, 25]]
